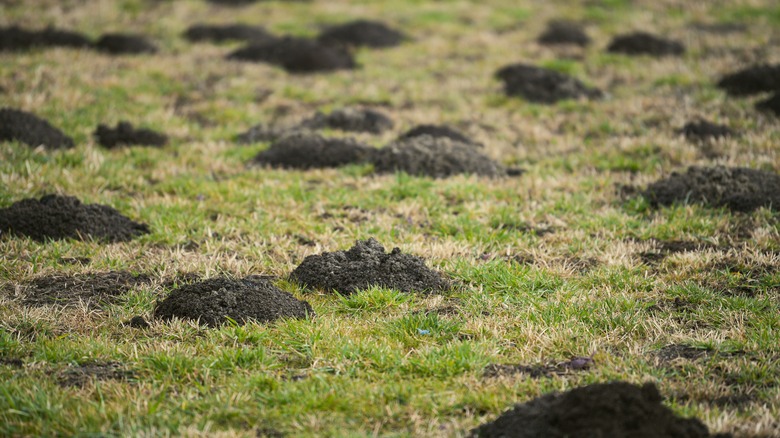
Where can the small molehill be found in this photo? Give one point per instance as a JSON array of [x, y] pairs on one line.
[[262, 132], [81, 375], [16, 125], [121, 43], [615, 409], [297, 55], [703, 130], [564, 32], [437, 157], [92, 290], [643, 43], [213, 301], [736, 188], [367, 264], [542, 85], [126, 135], [771, 104], [364, 33], [228, 32], [14, 38], [65, 217], [751, 80], [311, 151], [350, 119], [437, 131]]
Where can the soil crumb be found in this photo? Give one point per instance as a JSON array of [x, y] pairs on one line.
[[228, 32], [94, 289], [615, 409], [564, 32], [120, 43], [65, 217], [81, 375], [137, 322], [126, 135], [542, 85], [14, 38], [311, 151], [751, 80], [365, 33], [16, 125], [536, 371], [351, 120], [643, 43], [437, 131], [297, 55], [216, 301], [703, 130], [737, 188], [437, 157], [367, 264], [771, 104]]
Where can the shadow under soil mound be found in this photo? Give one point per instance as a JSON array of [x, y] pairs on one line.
[[351, 120], [63, 217], [228, 32], [576, 364], [437, 157], [437, 131], [119, 43], [364, 265], [751, 80], [771, 104], [310, 151], [643, 43], [125, 134], [703, 130], [542, 85], [16, 125], [297, 55], [615, 409], [93, 290], [14, 38], [213, 301], [364, 33], [564, 32], [79, 376]]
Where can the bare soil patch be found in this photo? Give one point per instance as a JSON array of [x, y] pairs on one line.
[[228, 32], [137, 322], [363, 33], [674, 352], [367, 264], [15, 38], [751, 80], [309, 151], [16, 125], [125, 134], [576, 364], [542, 85], [350, 120], [770, 104], [95, 290], [65, 217], [703, 130], [125, 44], [297, 55], [437, 131], [80, 375], [643, 43], [564, 32]]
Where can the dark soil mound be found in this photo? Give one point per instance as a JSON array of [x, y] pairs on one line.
[[542, 85], [308, 151], [752, 80], [118, 44], [227, 32], [213, 301], [31, 130], [436, 131], [61, 217], [564, 32], [94, 290], [126, 135], [259, 133], [297, 55], [14, 38], [643, 43], [771, 104], [83, 374], [438, 157], [703, 130], [363, 33], [737, 188], [351, 119], [616, 409], [364, 265]]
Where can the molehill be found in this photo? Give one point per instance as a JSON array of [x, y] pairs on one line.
[[365, 33], [297, 55], [126, 135], [564, 32], [643, 43], [121, 43], [542, 85], [16, 125], [350, 119], [309, 151], [228, 32]]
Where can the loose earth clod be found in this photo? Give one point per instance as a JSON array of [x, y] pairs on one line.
[[297, 55], [543, 85], [365, 33], [752, 80], [15, 38], [16, 125], [126, 135], [311, 151], [643, 43], [120, 44], [564, 32]]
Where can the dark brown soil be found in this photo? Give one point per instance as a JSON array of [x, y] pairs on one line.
[[673, 352], [262, 133], [65, 217], [542, 85], [81, 375], [310, 151], [93, 290], [13, 362], [364, 265], [364, 33], [535, 371], [564, 32], [14, 38], [437, 157], [737, 188], [120, 44], [350, 119], [615, 409], [31, 130], [297, 55], [126, 135], [137, 322], [437, 131], [703, 130], [213, 301], [643, 43], [752, 80], [228, 32], [771, 104]]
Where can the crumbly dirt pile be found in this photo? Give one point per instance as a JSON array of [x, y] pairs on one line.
[[616, 409], [228, 32], [15, 38], [83, 374], [771, 104], [542, 85], [564, 32], [119, 44], [703, 130], [16, 125], [65, 217], [214, 300], [126, 135], [437, 131], [643, 43], [297, 55], [751, 80], [93, 289], [737, 188], [437, 157], [261, 132], [310, 151], [365, 33], [352, 120], [367, 264]]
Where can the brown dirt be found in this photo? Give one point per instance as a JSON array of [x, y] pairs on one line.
[[262, 133], [80, 375], [364, 265], [703, 130], [770, 104], [16, 125], [643, 43], [751, 80], [542, 85], [310, 151], [124, 44], [65, 217], [576, 364], [564, 32], [351, 120], [15, 38], [126, 135], [437, 131], [297, 55], [137, 322], [94, 289], [363, 33], [228, 32]]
